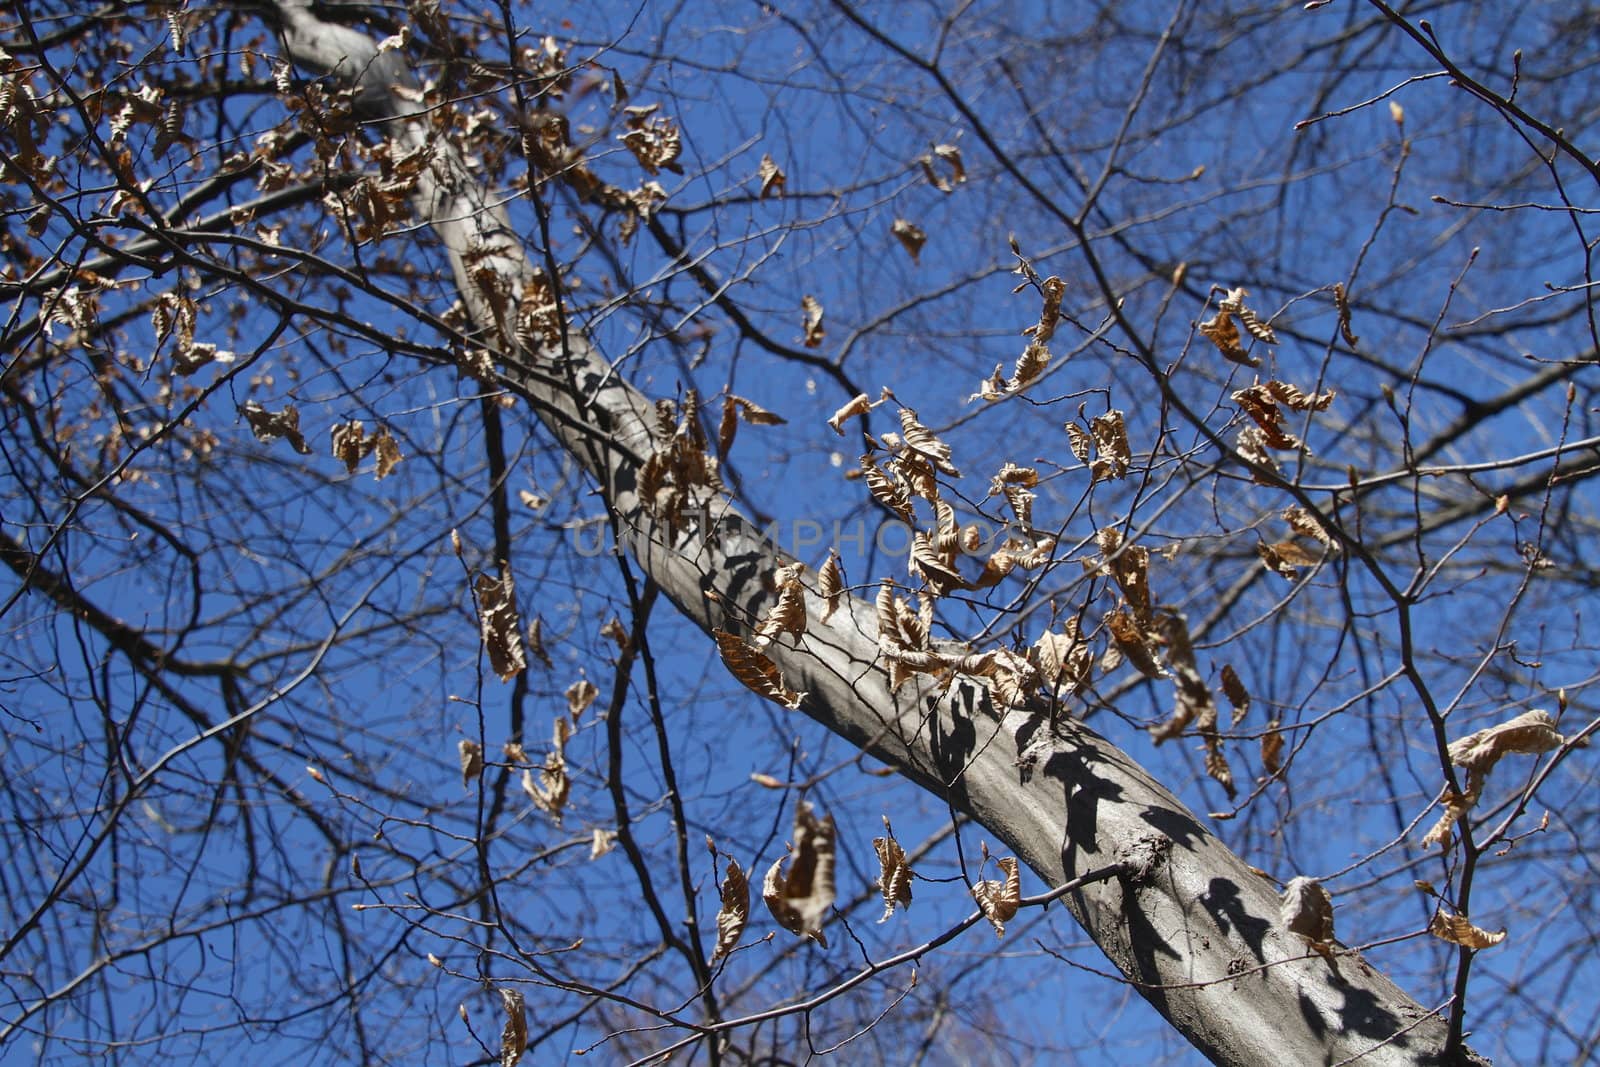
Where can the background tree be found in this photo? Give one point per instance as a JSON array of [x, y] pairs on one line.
[[328, 321]]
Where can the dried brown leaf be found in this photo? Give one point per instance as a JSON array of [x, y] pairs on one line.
[[936, 569], [1079, 441], [811, 323], [1308, 911], [735, 910], [894, 875], [653, 139], [755, 671], [1238, 696], [1531, 732], [910, 236], [1457, 930], [801, 900], [1272, 750], [999, 900], [580, 695], [1341, 300], [1062, 659], [859, 406], [787, 614], [602, 842], [952, 157], [1130, 566], [1032, 363], [349, 444], [388, 453], [514, 1036], [1221, 331], [1284, 557], [551, 789], [1305, 524], [471, 760], [1192, 697], [1456, 806], [1134, 643], [498, 624], [735, 408], [922, 441], [772, 179], [1296, 399], [268, 426], [1112, 453], [536, 642], [830, 584], [1052, 288], [617, 633]]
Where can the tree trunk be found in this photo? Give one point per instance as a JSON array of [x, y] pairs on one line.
[[1188, 922]]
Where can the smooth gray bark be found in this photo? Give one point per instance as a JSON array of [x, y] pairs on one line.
[[1190, 923]]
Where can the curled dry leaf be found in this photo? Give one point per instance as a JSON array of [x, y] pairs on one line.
[[812, 322], [1193, 702], [349, 444], [549, 792], [754, 670], [788, 613], [951, 156], [1238, 696], [1251, 444], [800, 900], [910, 236], [1264, 401], [1284, 557], [602, 842], [471, 760], [1456, 806], [858, 406], [830, 584], [1130, 566], [268, 426], [1305, 524], [1458, 931], [772, 179], [1052, 289], [1341, 300], [498, 624], [894, 875], [653, 139], [1134, 643], [1308, 911], [1531, 732], [389, 455], [1062, 659], [1108, 434], [922, 441], [1272, 750], [735, 910], [536, 642], [999, 900], [580, 695], [1221, 331], [616, 632], [733, 409], [514, 1036]]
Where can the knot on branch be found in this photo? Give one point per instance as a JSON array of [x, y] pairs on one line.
[[1142, 858]]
